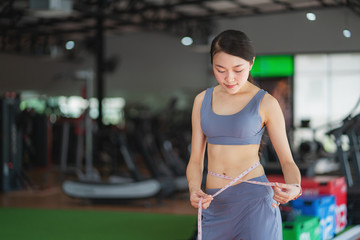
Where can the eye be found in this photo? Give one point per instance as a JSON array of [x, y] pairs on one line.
[[238, 71], [220, 71]]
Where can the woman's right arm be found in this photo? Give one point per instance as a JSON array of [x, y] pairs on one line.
[[195, 166]]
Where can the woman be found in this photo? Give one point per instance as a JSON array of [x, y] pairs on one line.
[[230, 119]]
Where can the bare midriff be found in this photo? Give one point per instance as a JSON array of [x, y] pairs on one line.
[[231, 161]]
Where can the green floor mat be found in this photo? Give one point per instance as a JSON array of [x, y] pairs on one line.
[[41, 224]]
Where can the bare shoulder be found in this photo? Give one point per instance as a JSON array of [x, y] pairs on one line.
[[269, 103], [199, 98], [270, 108], [197, 107]]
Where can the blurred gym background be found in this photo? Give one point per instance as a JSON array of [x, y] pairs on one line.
[[95, 109]]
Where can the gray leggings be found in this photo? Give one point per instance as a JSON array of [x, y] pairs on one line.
[[242, 212]]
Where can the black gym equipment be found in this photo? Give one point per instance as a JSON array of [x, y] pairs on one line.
[[10, 145], [155, 145], [348, 156], [347, 139], [90, 185], [35, 128]]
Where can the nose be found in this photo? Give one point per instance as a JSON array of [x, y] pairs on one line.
[[229, 77]]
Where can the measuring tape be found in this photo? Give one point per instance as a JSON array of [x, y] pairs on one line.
[[234, 180]]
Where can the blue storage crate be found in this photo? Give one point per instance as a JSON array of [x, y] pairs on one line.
[[322, 206]]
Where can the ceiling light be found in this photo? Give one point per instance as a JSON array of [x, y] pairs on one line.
[[347, 33], [311, 16], [69, 45], [186, 41]]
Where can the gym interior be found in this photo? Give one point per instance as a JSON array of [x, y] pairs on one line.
[[96, 101]]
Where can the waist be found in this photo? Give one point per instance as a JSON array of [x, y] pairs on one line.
[[213, 182], [244, 191]]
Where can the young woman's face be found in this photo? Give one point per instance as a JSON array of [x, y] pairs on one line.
[[230, 71]]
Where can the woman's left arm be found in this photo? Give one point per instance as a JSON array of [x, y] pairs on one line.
[[275, 124]]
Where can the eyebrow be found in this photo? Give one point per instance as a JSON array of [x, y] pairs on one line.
[[233, 66]]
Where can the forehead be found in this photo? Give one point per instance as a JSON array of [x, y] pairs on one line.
[[222, 58]]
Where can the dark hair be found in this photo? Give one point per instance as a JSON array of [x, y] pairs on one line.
[[235, 43]]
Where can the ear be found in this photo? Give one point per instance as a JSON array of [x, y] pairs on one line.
[[251, 65]]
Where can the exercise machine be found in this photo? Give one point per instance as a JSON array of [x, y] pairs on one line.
[[10, 144], [90, 185]]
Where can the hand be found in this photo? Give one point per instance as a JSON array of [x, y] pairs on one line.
[[284, 193], [195, 198]]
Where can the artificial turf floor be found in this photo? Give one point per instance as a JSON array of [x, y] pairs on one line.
[[44, 224]]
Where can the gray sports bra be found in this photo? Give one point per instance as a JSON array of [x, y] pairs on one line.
[[241, 128]]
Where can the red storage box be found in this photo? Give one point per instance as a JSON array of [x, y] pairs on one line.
[[325, 185]]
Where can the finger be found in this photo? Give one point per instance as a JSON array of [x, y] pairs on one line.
[[282, 187], [281, 196], [278, 191], [205, 199], [275, 204], [209, 198], [206, 205], [195, 205], [204, 196], [283, 193], [282, 199], [279, 200]]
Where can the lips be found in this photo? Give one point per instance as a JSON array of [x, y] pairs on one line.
[[230, 86]]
